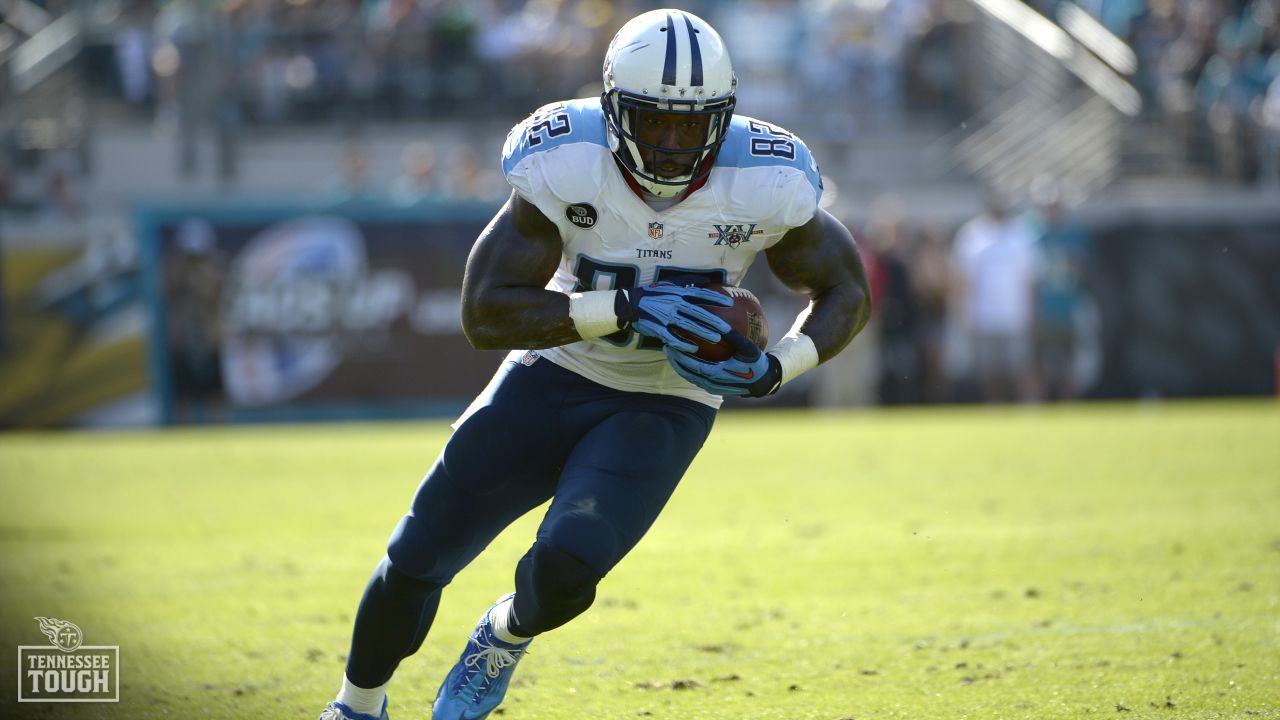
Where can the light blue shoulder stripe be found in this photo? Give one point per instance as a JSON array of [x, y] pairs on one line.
[[752, 143], [562, 123]]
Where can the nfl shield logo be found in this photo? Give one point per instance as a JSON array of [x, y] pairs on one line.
[[655, 230]]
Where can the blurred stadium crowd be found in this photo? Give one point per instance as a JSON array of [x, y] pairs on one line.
[[999, 312], [309, 60], [1208, 69], [246, 66]]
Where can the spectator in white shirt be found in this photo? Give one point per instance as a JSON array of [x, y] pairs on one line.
[[997, 263]]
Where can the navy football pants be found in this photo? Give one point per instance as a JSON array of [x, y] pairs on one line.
[[609, 461]]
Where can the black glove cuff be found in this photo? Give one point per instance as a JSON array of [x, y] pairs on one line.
[[768, 383], [623, 308]]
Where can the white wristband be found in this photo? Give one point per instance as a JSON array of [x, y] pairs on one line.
[[796, 355], [592, 313]]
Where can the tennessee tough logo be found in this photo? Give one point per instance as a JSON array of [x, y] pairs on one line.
[[67, 670], [65, 635]]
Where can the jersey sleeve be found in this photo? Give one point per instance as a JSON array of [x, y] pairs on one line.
[[550, 153], [780, 175], [799, 193]]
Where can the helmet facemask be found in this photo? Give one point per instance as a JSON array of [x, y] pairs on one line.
[[671, 62], [625, 111]]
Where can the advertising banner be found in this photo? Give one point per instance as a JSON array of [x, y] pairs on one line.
[[297, 314], [72, 330]]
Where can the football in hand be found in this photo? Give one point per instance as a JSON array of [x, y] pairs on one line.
[[745, 315]]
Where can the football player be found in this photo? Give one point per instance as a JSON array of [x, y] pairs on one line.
[[622, 206]]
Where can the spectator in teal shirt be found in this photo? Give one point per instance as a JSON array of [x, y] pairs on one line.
[[1064, 251]]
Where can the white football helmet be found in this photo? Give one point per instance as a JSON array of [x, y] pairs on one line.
[[668, 61]]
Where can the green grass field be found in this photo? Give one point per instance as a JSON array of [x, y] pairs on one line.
[[1091, 561]]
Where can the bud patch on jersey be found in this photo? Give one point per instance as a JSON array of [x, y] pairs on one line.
[[582, 214]]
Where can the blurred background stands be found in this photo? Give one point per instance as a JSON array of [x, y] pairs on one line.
[[915, 108]]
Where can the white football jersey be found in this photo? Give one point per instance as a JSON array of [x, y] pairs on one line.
[[764, 183]]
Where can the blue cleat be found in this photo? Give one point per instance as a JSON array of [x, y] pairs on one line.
[[478, 682], [337, 711]]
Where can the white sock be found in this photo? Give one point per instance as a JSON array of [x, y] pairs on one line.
[[363, 700], [500, 616]]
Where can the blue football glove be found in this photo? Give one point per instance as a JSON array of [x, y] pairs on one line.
[[749, 372], [656, 309]]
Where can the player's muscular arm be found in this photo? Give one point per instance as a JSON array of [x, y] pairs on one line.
[[504, 303], [821, 260]]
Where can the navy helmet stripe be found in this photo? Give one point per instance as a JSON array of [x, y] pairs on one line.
[[695, 75], [669, 69]]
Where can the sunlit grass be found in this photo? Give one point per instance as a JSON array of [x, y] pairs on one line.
[[1097, 560]]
